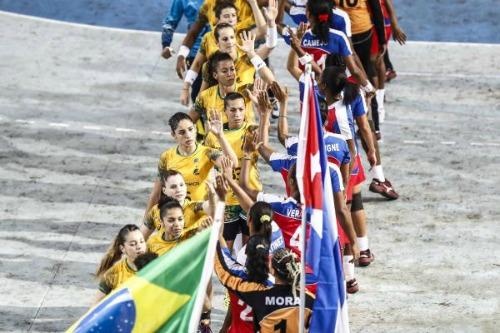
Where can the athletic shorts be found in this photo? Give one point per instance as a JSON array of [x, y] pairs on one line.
[[232, 229], [374, 49], [357, 177], [362, 43], [342, 236]]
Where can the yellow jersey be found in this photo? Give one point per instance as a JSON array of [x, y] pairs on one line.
[[158, 245], [195, 168], [211, 99], [115, 276], [359, 13], [208, 44], [245, 13], [193, 211], [245, 72], [235, 138]]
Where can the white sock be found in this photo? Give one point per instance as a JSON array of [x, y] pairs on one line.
[[378, 173], [363, 243], [348, 268], [380, 102]]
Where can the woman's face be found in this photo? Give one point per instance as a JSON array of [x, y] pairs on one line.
[[185, 134], [225, 73], [173, 222], [229, 16], [227, 40], [235, 112], [134, 245], [175, 187]]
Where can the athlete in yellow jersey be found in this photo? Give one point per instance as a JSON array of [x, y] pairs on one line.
[[235, 131], [174, 187], [173, 231], [194, 161], [243, 55], [118, 263]]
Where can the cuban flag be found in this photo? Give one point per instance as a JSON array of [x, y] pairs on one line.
[[322, 247]]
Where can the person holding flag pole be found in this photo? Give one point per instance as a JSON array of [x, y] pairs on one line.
[[322, 252]]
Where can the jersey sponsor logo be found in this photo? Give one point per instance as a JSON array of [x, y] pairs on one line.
[[282, 301]]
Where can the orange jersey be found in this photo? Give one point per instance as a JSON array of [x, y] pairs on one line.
[[359, 13]]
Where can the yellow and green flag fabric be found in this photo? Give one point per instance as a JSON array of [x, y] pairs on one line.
[[160, 298]]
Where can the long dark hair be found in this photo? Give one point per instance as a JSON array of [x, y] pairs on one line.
[[257, 252], [334, 80], [321, 11], [114, 253], [212, 64], [351, 89], [261, 216]]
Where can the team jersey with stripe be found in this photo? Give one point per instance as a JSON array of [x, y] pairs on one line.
[[356, 108], [194, 168], [115, 276], [193, 211], [337, 44], [274, 307], [338, 120]]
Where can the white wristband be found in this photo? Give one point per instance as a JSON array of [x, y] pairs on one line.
[[368, 88], [183, 51], [305, 59], [257, 62], [272, 37], [190, 76]]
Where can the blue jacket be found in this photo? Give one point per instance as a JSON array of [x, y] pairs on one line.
[[188, 8]]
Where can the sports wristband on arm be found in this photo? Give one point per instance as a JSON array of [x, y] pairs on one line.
[[183, 51], [257, 62], [190, 76], [272, 37], [305, 59]]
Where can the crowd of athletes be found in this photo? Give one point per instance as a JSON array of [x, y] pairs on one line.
[[222, 142]]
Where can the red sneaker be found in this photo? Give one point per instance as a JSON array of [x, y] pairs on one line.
[[365, 258], [352, 286], [384, 189], [389, 75]]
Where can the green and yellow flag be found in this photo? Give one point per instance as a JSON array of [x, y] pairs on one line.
[[160, 298]]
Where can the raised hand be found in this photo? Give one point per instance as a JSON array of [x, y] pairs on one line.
[[221, 187], [227, 168], [258, 86], [280, 93], [271, 12], [214, 123], [247, 43], [250, 142]]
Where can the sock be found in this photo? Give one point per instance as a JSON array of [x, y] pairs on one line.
[[362, 243], [378, 173], [380, 101], [348, 268]]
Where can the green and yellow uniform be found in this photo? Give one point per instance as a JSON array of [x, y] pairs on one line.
[[195, 168], [158, 245], [115, 276], [211, 99], [245, 13], [235, 138], [193, 211], [245, 71], [208, 44]]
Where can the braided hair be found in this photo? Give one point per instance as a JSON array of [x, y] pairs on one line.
[[257, 252], [286, 268]]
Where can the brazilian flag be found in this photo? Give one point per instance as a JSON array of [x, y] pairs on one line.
[[160, 298]]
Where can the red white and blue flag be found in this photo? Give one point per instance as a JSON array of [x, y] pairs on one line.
[[322, 247]]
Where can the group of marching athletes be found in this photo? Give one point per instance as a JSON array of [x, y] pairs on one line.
[[223, 62]]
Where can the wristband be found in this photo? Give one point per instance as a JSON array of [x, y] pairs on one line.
[[368, 88], [190, 77], [305, 59], [257, 62], [183, 51], [272, 37]]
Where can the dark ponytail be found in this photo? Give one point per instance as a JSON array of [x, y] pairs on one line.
[[257, 252], [351, 90], [334, 80], [286, 268], [261, 217], [321, 11], [114, 253]]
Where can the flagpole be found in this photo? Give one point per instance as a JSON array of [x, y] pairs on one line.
[[300, 176], [207, 267]]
